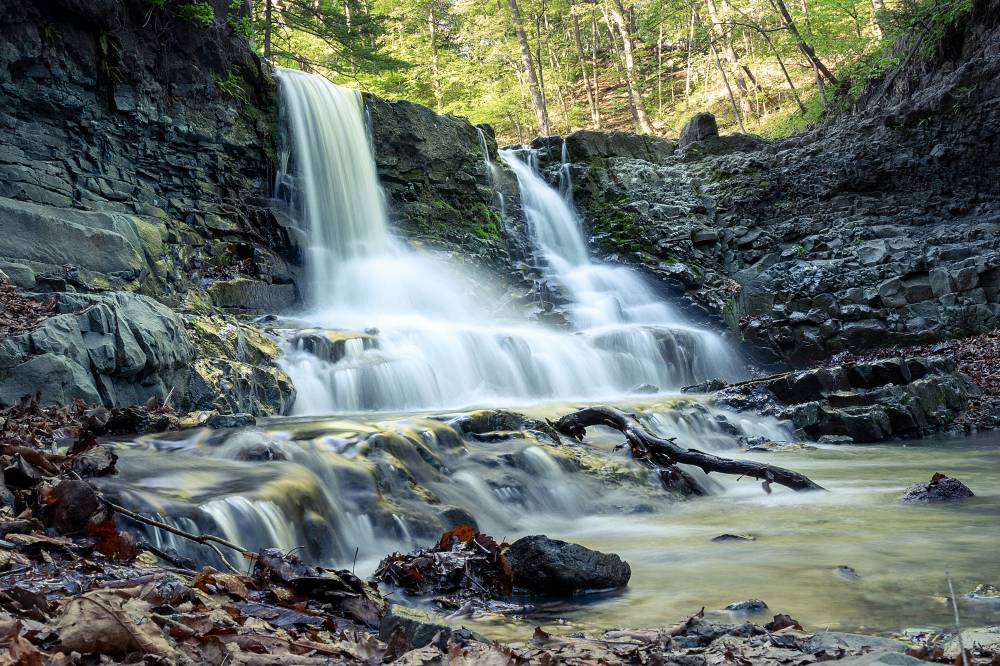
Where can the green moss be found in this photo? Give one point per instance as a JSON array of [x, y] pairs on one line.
[[197, 12]]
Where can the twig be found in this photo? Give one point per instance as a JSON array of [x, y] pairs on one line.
[[958, 623], [205, 539]]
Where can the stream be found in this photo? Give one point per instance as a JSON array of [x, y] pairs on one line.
[[379, 483]]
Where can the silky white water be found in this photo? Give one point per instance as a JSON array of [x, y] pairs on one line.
[[437, 343]]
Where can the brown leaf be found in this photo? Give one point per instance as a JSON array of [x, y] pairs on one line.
[[458, 534], [111, 622], [212, 581], [782, 621]]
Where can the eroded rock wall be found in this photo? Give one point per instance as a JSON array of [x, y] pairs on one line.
[[876, 229]]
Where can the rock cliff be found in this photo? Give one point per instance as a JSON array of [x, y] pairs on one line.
[[878, 228]]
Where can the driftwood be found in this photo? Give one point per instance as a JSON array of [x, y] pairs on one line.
[[666, 452]]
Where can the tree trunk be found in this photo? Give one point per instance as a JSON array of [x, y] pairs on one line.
[[435, 70], [781, 63], [581, 57], [878, 10], [620, 68], [628, 48], [595, 39], [659, 73], [804, 47], [723, 37], [690, 45], [537, 101], [729, 88], [268, 8]]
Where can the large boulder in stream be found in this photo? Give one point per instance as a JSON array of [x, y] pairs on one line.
[[940, 488], [548, 566]]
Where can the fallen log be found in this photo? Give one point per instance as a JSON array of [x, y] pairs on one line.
[[666, 452]]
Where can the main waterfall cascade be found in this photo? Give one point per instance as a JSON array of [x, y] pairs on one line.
[[433, 344]]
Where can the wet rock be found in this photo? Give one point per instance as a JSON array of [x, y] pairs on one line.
[[264, 452], [453, 516], [72, 504], [414, 628], [847, 572], [548, 566], [747, 606], [734, 537], [835, 439], [707, 386], [230, 421], [986, 592], [95, 461], [940, 488]]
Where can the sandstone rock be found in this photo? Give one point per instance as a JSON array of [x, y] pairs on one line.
[[549, 566]]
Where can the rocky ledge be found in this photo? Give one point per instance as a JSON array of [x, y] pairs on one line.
[[859, 402]]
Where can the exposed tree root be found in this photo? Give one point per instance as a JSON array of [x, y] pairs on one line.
[[665, 452]]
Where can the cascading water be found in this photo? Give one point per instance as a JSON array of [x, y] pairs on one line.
[[435, 344]]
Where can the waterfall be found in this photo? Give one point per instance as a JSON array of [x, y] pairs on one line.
[[435, 341]]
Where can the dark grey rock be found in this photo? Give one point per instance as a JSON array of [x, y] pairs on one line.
[[940, 488], [419, 628], [747, 606], [700, 127], [548, 566], [230, 421]]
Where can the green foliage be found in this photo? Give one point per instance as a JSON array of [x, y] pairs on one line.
[[463, 56], [109, 54], [232, 86], [791, 120], [197, 12], [241, 24], [914, 29]]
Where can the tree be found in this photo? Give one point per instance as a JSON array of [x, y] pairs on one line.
[[537, 101]]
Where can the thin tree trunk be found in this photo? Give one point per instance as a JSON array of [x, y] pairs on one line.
[[723, 36], [729, 89], [435, 70], [556, 65], [268, 8], [619, 67], [591, 95], [628, 49], [802, 45], [687, 76], [878, 9], [781, 63], [659, 73], [595, 41], [537, 101]]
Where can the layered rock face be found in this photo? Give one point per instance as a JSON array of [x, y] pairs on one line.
[[136, 155], [877, 229], [441, 192]]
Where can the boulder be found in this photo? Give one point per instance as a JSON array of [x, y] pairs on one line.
[[586, 145], [700, 127], [747, 606], [551, 567], [940, 488]]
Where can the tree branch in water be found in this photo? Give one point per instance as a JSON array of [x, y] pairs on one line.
[[666, 452]]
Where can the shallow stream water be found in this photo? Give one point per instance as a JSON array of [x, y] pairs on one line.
[[380, 482]]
